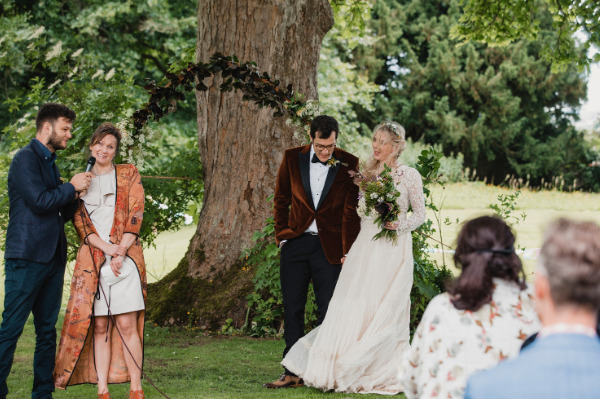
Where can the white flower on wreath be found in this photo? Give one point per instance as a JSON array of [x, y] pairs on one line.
[[373, 196]]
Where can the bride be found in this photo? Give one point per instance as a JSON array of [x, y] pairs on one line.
[[366, 329]]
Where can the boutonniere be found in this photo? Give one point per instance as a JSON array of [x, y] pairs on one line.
[[333, 162]]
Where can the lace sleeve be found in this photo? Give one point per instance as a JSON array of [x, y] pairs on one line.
[[411, 179]]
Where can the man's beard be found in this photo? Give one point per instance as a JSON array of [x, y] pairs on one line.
[[55, 142]]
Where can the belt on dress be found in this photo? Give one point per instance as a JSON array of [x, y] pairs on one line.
[[310, 233]]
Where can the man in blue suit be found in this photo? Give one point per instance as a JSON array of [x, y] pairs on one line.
[[563, 362], [36, 246]]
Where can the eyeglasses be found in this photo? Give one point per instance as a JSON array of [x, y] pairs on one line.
[[321, 147]]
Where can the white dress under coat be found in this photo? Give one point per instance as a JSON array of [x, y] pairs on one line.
[[123, 293]]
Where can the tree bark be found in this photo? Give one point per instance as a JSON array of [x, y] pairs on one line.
[[241, 146]]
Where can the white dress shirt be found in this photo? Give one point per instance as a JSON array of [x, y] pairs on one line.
[[318, 174]]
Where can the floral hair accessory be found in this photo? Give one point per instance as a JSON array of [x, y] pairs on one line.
[[392, 127]]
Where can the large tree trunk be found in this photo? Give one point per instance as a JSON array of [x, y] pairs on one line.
[[241, 147]]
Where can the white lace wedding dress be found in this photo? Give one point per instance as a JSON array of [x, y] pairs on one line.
[[365, 333]]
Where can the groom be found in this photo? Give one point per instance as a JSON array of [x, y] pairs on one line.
[[315, 225]]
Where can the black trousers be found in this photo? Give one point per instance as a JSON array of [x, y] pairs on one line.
[[302, 260]]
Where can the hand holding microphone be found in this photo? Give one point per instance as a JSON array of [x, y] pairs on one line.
[[81, 181]]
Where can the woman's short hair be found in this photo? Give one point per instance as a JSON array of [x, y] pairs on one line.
[[104, 130], [570, 259], [484, 250]]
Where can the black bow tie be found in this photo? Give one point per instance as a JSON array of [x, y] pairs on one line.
[[316, 159]]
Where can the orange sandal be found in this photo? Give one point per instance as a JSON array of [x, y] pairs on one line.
[[136, 394]]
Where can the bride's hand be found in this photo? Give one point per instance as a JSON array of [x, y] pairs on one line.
[[391, 226]]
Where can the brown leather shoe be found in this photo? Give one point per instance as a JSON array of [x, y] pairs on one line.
[[286, 381]]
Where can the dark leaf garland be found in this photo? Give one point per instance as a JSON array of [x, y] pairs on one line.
[[245, 77]]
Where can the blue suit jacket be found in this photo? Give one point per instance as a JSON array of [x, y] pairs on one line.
[[559, 366], [39, 207]]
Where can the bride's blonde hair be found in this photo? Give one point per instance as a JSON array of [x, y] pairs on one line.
[[395, 135]]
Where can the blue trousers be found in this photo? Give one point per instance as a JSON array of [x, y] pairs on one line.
[[31, 287]]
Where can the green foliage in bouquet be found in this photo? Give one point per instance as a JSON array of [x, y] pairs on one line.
[[381, 196]]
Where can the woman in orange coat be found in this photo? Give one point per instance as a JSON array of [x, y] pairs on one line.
[[109, 279]]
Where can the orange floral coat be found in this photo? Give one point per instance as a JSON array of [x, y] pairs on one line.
[[75, 357]]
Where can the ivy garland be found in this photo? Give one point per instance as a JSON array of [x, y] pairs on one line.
[[261, 89]]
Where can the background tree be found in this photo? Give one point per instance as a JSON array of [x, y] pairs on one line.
[[136, 38], [343, 86], [241, 147], [93, 56], [501, 107], [505, 21]]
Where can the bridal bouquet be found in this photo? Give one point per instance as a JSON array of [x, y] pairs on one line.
[[380, 196]]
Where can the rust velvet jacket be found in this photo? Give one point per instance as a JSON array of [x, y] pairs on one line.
[[337, 220]]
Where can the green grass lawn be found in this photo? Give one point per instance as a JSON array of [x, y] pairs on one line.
[[170, 249], [188, 364], [463, 201]]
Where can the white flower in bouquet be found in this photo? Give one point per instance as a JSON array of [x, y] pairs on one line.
[[361, 209]]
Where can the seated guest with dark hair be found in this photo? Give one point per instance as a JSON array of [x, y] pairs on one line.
[[563, 362], [482, 319]]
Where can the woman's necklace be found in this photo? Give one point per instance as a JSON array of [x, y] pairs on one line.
[[105, 173]]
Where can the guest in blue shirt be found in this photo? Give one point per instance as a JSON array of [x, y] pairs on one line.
[[36, 245], [563, 362]]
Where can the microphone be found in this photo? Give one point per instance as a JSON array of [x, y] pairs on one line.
[[90, 164]]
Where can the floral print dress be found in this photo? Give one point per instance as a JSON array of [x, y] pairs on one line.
[[450, 344]]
